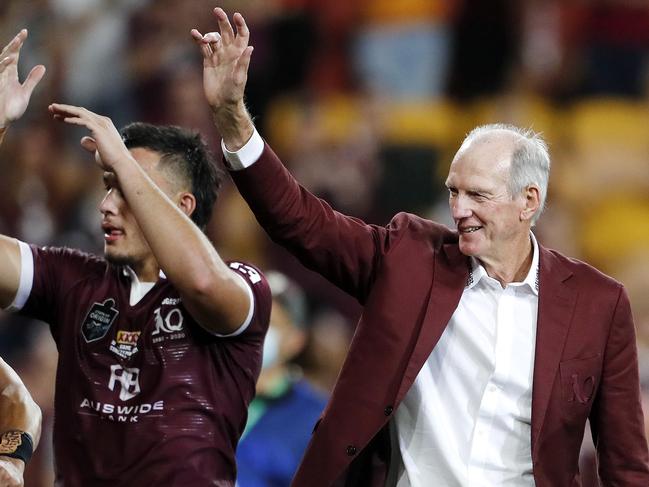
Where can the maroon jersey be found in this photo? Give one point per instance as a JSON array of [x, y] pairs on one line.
[[144, 395]]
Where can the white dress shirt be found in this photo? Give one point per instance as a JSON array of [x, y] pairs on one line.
[[466, 421]]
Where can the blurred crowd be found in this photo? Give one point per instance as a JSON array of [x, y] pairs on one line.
[[366, 101]]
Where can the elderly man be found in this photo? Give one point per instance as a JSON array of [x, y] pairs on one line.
[[480, 354]]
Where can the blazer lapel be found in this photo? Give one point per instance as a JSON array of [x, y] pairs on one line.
[[556, 306], [450, 276]]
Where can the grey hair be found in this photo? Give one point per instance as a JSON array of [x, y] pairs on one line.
[[530, 163]]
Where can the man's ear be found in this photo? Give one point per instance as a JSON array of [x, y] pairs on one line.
[[187, 203], [532, 197]]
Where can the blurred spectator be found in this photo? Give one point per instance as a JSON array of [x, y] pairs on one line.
[[326, 349], [486, 43], [284, 412], [401, 49], [613, 43]]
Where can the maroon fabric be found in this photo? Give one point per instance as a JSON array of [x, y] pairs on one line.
[[410, 276], [144, 396]]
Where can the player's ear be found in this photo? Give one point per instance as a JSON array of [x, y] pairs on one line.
[[187, 203]]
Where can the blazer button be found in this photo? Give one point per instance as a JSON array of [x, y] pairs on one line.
[[388, 410], [351, 450]]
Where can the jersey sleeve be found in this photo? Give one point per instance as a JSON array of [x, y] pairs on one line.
[[47, 274], [257, 319]]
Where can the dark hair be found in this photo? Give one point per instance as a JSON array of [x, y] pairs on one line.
[[187, 155]]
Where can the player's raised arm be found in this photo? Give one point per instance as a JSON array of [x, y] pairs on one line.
[[20, 426], [226, 57], [215, 295], [14, 98]]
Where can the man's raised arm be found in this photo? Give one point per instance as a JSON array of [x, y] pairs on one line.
[[14, 98]]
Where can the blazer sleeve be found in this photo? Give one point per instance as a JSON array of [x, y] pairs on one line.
[[345, 250], [617, 422]]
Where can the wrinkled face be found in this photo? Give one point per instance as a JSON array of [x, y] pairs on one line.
[[124, 243], [487, 218]]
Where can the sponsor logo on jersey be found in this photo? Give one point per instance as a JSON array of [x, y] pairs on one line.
[[125, 343], [121, 413], [168, 325], [98, 320], [171, 301], [249, 272], [128, 379]]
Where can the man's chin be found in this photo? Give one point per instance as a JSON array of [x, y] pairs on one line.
[[117, 259], [468, 247]]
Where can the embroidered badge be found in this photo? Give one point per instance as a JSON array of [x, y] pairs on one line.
[[98, 320]]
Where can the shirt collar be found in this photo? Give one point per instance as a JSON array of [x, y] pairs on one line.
[[130, 273], [477, 272]]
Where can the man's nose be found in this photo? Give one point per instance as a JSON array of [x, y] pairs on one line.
[[108, 204], [460, 208]]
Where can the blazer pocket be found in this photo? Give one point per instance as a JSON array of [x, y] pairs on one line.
[[579, 382]]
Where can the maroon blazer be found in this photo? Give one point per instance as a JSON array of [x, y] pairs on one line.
[[409, 276]]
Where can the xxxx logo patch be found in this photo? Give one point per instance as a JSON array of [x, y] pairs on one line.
[[125, 343]]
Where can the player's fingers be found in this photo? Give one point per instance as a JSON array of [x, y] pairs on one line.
[[89, 144], [4, 63], [74, 111], [71, 120], [33, 78], [15, 43], [224, 25]]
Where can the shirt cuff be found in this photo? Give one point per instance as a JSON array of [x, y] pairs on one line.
[[247, 155]]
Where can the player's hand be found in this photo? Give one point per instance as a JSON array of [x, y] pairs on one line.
[[14, 96], [226, 57], [11, 472], [104, 141]]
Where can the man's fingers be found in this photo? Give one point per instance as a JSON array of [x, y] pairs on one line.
[[243, 33], [34, 77], [212, 37], [241, 71], [224, 25], [204, 46]]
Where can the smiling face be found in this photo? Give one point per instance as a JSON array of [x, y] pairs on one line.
[[124, 243], [491, 223]]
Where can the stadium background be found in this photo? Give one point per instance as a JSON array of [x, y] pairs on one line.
[[366, 101]]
